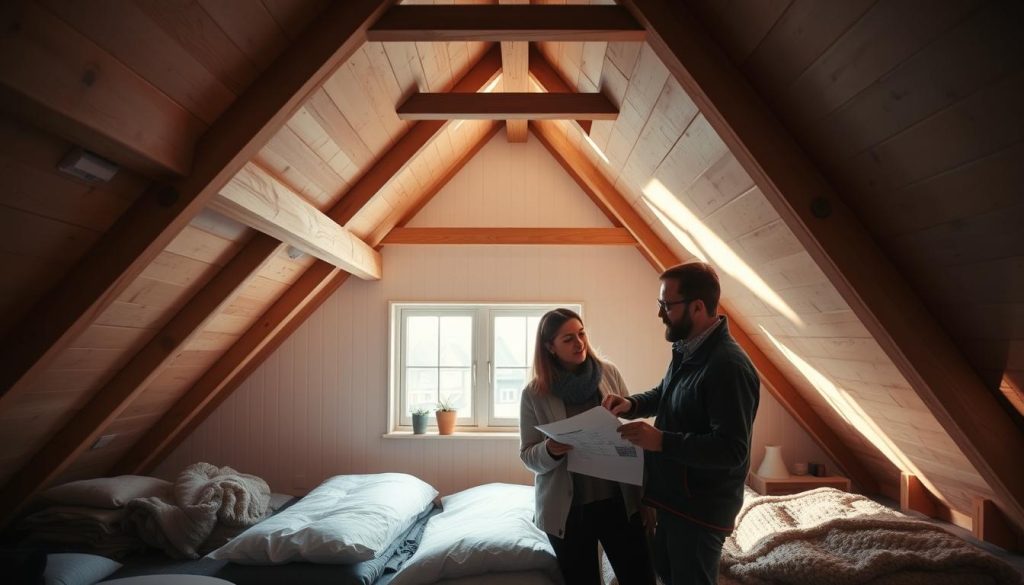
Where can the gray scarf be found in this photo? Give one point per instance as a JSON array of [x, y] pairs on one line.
[[577, 387]]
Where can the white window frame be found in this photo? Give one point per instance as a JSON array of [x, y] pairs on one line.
[[482, 418]]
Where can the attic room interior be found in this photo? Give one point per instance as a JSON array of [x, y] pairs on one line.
[[259, 240]]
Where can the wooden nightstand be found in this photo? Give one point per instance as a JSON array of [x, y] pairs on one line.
[[795, 483]]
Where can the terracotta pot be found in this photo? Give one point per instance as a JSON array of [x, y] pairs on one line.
[[446, 421]]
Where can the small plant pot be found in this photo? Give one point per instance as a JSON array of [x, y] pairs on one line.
[[419, 423], [446, 421]]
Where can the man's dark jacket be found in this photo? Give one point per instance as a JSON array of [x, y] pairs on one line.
[[705, 407]]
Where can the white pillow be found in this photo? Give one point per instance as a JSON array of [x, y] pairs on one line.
[[107, 492], [347, 519], [485, 529], [77, 569]]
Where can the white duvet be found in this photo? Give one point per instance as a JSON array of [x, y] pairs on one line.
[[347, 519], [485, 529]]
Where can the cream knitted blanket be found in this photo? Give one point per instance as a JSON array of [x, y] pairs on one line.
[[203, 496], [829, 536]]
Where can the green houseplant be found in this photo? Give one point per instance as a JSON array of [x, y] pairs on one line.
[[419, 421], [446, 415]]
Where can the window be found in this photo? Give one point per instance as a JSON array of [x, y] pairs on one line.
[[474, 357]]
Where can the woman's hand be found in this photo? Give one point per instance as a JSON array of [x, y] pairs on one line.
[[617, 404], [556, 449]]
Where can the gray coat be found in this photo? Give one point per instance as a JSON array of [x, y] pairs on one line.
[[553, 483]]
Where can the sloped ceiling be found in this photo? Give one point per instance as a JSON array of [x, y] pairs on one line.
[[912, 122]]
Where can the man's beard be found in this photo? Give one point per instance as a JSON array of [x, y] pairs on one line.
[[679, 330]]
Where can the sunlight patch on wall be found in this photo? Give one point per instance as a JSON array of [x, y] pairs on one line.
[[846, 406], [706, 245]]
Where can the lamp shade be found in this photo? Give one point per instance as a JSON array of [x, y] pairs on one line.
[[772, 466]]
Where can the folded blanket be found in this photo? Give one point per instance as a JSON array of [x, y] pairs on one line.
[[203, 494], [80, 529], [830, 536]]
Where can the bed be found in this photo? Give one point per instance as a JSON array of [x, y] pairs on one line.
[[831, 536]]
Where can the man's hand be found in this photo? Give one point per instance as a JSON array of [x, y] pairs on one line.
[[642, 435], [617, 404], [556, 449]]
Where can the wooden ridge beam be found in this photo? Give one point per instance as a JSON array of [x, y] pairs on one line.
[[589, 177], [113, 398], [832, 234], [511, 236], [515, 76], [255, 198], [507, 106], [535, 23], [315, 286], [160, 214], [547, 77]]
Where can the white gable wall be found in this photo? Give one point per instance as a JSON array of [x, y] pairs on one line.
[[318, 406]]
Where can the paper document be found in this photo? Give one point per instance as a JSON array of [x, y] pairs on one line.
[[597, 448]]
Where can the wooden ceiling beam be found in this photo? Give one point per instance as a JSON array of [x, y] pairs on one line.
[[507, 106], [589, 177], [546, 76], [843, 248], [515, 76], [65, 84], [143, 231], [258, 200], [534, 23], [315, 286], [498, 236]]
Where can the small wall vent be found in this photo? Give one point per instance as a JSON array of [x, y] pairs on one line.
[[87, 166]]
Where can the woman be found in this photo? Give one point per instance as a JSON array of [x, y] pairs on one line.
[[577, 511]]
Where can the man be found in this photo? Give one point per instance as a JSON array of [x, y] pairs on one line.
[[698, 451]]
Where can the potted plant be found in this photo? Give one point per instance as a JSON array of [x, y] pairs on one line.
[[446, 415], [419, 421]]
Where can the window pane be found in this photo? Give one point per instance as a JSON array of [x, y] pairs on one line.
[[457, 341], [421, 341], [420, 388], [509, 341], [532, 323], [456, 389], [508, 386]]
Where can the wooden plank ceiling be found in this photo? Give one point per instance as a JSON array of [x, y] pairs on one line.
[[911, 126]]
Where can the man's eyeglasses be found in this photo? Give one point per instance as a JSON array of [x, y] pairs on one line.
[[665, 305]]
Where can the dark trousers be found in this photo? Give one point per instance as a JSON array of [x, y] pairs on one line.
[[686, 553], [621, 537]]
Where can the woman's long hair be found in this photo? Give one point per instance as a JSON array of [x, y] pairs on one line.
[[545, 364]]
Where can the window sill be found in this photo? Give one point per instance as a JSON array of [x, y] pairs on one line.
[[475, 435]]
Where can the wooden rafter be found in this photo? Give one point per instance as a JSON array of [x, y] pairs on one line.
[[536, 23], [158, 215], [833, 235], [257, 199], [507, 106], [511, 236], [546, 76], [52, 75], [515, 76], [302, 298], [315, 286], [589, 177], [113, 398]]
